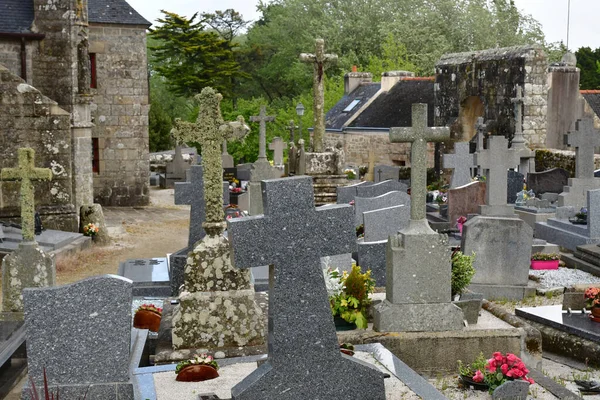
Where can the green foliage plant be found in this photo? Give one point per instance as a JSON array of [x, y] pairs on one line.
[[462, 271], [352, 302], [545, 257], [470, 369]]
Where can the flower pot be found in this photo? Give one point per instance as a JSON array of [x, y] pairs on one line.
[[596, 313], [470, 383], [548, 264], [197, 373], [342, 325], [512, 390], [146, 319], [347, 352]]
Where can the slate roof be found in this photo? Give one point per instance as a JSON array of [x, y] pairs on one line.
[[16, 16], [114, 12], [394, 108], [336, 117], [593, 99]]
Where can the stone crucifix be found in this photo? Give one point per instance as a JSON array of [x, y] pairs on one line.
[[210, 131], [526, 155], [585, 139], [418, 135], [292, 128], [26, 172], [262, 119], [320, 61], [302, 339], [461, 162], [481, 129]]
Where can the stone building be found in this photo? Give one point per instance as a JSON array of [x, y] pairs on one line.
[[89, 60]]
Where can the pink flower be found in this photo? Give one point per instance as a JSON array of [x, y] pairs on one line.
[[478, 377], [531, 381], [491, 365], [504, 368], [497, 356], [512, 359]]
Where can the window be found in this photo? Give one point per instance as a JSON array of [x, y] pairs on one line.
[[95, 156], [352, 105], [93, 81]]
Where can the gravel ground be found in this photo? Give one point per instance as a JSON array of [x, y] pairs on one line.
[[564, 277]]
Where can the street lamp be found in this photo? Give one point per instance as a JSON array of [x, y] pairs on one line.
[[300, 113]]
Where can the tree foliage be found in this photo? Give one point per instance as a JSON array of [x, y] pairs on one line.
[[588, 62]]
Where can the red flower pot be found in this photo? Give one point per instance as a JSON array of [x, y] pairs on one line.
[[197, 373], [550, 264], [146, 319], [596, 313]]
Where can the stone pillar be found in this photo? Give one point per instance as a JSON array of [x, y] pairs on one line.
[[81, 150]]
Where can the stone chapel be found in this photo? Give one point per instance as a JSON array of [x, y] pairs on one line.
[[74, 87]]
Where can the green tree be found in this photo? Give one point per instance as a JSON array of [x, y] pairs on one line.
[[587, 60], [190, 58]]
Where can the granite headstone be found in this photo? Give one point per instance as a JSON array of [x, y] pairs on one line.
[[514, 185], [381, 223], [465, 200], [461, 162], [364, 204], [550, 181]]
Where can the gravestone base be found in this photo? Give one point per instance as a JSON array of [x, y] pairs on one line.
[[503, 292], [217, 319], [104, 391], [28, 266], [432, 317]]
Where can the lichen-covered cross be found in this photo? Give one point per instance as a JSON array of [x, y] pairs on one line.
[[418, 135], [26, 172], [210, 130], [320, 61]]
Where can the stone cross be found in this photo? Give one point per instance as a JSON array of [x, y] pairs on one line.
[[320, 61], [526, 155], [584, 139], [277, 146], [262, 118], [292, 127], [495, 161], [192, 193], [481, 128], [418, 135], [302, 338], [462, 162], [210, 130], [26, 172]]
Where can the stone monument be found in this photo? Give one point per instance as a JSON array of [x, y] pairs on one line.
[[462, 162], [417, 255], [304, 359], [277, 146], [28, 265], [526, 155], [216, 300]]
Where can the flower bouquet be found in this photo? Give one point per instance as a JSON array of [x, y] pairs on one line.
[[91, 230], [496, 371], [592, 298]]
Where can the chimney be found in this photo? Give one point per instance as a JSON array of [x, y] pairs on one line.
[[390, 78], [353, 79]]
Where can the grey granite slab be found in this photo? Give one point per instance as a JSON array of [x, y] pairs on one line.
[[150, 276], [575, 323], [550, 181], [380, 224], [389, 199], [80, 332], [371, 256], [379, 188], [346, 194], [301, 352], [515, 182]]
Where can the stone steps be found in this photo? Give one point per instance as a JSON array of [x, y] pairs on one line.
[[325, 188], [576, 263]]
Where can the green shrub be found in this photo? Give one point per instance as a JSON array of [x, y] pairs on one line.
[[462, 271], [545, 257]]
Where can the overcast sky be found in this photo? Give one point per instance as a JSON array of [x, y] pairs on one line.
[[552, 14]]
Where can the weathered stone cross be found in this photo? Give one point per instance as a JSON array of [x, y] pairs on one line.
[[320, 61], [481, 128], [526, 155], [462, 162], [292, 127], [26, 172], [277, 145], [496, 161], [210, 130], [262, 118], [584, 139], [418, 135], [303, 346]]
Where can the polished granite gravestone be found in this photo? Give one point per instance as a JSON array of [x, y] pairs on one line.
[[550, 181], [379, 224], [80, 334], [575, 322], [346, 194], [465, 200], [390, 199], [150, 276], [304, 358], [49, 240], [461, 163], [514, 185], [13, 355]]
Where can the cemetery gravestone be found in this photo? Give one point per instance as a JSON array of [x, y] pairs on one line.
[[296, 360], [386, 172], [481, 128], [380, 224], [550, 181], [364, 204], [226, 158], [346, 194], [292, 159], [418, 256], [461, 162], [192, 193], [150, 277], [277, 146], [465, 200], [526, 155], [379, 188], [175, 169], [81, 335], [28, 266], [514, 185]]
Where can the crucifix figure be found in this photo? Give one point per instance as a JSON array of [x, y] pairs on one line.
[[461, 162], [526, 155], [26, 172], [262, 118], [292, 127], [496, 161], [320, 61], [418, 135], [302, 338], [210, 131]]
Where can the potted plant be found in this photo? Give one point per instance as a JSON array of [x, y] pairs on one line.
[[580, 217], [462, 274], [349, 297], [350, 174], [147, 316], [91, 230], [200, 368], [592, 298], [541, 261], [442, 202], [471, 375]]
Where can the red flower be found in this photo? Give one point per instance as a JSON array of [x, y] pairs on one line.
[[478, 377]]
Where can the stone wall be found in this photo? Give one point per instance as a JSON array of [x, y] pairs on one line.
[[120, 114], [474, 84], [10, 56], [23, 110]]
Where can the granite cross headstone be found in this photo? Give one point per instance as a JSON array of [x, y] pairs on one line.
[[461, 162], [526, 155], [80, 335], [301, 351], [320, 61], [262, 119], [26, 173], [277, 146], [210, 130], [496, 161]]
